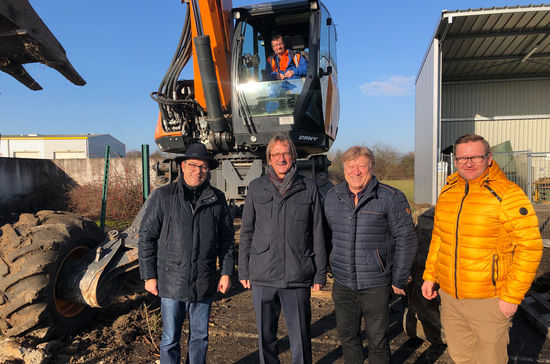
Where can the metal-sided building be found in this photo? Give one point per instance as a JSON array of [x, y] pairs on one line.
[[60, 146], [486, 71]]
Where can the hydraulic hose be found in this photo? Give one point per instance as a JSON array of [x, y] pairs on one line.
[[205, 60]]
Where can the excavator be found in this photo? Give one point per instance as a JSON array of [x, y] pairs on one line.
[[233, 106], [54, 266]]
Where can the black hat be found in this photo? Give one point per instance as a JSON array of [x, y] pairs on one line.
[[198, 151]]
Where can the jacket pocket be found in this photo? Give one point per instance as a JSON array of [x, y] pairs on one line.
[[299, 209], [300, 265], [262, 261], [494, 270], [382, 265], [263, 206], [371, 212], [259, 248]]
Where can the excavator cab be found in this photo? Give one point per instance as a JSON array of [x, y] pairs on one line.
[[307, 108]]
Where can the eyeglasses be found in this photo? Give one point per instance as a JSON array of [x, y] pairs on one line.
[[279, 155], [194, 167], [474, 159], [353, 166]]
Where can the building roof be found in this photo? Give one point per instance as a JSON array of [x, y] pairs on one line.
[[495, 43]]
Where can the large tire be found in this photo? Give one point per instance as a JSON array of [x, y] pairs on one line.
[[32, 251], [421, 318]]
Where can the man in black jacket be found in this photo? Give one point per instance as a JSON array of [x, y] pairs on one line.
[[186, 226], [374, 245], [282, 252]]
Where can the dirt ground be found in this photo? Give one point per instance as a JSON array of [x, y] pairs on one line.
[[129, 332]]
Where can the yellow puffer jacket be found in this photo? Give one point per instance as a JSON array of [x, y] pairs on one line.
[[486, 241]]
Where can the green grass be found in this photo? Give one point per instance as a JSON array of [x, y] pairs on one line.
[[405, 185]]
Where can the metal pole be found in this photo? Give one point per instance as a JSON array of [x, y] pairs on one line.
[[529, 177], [145, 170], [105, 185]]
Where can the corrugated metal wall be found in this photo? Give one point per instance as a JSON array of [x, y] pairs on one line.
[[426, 128], [500, 111]]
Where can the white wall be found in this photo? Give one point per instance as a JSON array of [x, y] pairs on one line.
[[62, 147], [27, 146], [515, 111], [75, 148], [426, 138]]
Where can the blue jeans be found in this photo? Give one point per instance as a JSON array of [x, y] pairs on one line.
[[173, 315]]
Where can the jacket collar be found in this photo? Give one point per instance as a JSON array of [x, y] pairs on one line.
[[207, 196], [297, 184], [371, 191]]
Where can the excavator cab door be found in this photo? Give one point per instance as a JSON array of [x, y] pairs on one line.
[[304, 108]]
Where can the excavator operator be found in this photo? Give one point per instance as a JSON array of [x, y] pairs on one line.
[[285, 64]]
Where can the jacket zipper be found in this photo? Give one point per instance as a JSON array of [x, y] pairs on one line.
[[194, 211], [380, 260], [466, 189], [360, 202], [494, 270], [493, 192]]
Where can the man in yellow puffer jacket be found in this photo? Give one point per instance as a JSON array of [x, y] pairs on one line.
[[484, 253]]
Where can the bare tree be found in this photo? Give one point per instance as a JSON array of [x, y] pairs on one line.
[[387, 161], [390, 164], [336, 169]]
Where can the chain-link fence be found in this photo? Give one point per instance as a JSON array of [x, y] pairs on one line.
[[531, 171]]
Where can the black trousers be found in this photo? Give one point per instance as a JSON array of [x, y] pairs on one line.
[[297, 310], [350, 307]]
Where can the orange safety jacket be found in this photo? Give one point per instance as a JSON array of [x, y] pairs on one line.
[[277, 66], [486, 240]]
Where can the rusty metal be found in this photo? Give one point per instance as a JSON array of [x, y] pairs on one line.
[[24, 38]]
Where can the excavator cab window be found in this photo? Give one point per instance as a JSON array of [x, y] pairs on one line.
[[263, 95], [306, 108]]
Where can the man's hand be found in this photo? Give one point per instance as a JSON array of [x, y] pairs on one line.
[[151, 286], [316, 287], [289, 74], [398, 291], [224, 284], [428, 290], [508, 309], [245, 283]]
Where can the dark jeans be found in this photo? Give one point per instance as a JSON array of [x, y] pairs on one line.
[[297, 310], [373, 305], [173, 314]]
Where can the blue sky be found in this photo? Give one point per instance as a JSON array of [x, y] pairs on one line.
[[122, 50]]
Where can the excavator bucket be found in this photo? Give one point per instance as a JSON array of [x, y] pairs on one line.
[[24, 38]]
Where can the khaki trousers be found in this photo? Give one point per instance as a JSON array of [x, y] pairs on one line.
[[476, 330]]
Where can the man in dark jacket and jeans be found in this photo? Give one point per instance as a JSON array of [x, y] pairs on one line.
[[282, 251], [374, 245], [186, 226]]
